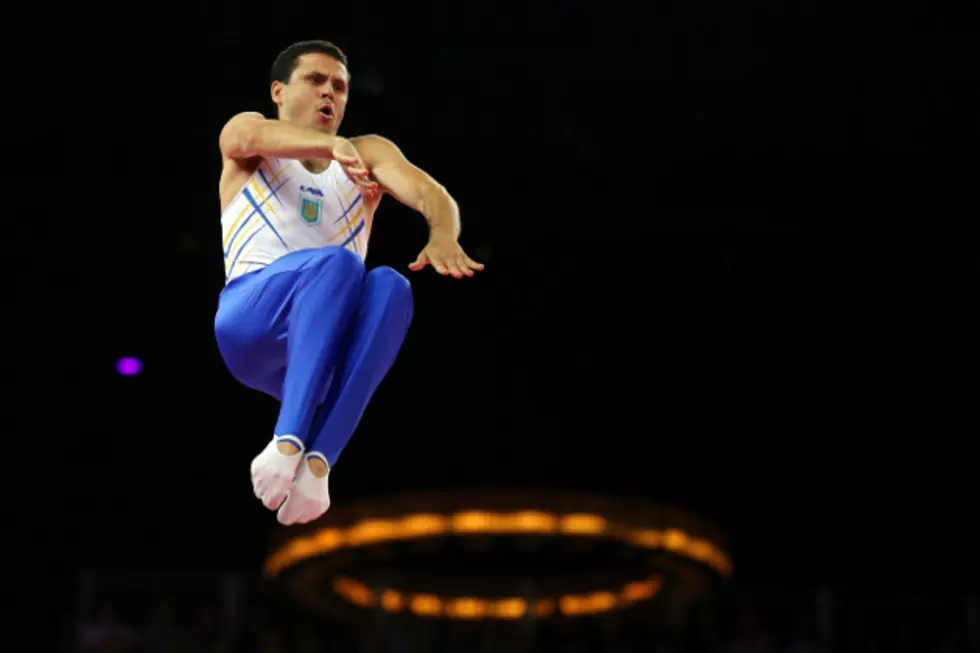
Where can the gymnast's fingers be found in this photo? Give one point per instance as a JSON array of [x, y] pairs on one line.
[[345, 159], [460, 265], [419, 262], [454, 267], [439, 265], [356, 169]]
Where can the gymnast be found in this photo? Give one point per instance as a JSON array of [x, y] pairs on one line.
[[299, 317]]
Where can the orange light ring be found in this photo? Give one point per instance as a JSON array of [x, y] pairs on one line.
[[468, 523], [504, 608]]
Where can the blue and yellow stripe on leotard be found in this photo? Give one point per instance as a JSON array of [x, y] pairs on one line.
[[248, 228], [351, 227]]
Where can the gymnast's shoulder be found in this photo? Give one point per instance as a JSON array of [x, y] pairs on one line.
[[243, 118], [252, 114]]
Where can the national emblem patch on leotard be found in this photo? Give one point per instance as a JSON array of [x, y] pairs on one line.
[[309, 210]]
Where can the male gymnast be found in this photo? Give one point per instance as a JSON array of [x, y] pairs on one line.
[[299, 317]]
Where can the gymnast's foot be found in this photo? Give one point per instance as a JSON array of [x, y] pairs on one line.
[[274, 469], [309, 497]]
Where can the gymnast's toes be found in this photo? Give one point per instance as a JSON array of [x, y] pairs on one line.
[[273, 473], [308, 499]]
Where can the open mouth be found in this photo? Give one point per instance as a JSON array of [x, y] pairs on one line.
[[326, 112]]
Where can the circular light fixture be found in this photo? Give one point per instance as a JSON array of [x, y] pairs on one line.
[[419, 526], [344, 540], [474, 607]]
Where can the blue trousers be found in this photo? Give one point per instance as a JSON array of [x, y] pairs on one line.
[[317, 332]]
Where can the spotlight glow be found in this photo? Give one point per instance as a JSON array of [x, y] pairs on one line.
[[129, 366]]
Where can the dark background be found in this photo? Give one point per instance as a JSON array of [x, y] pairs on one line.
[[732, 265]]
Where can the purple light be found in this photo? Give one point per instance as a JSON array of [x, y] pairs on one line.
[[129, 366]]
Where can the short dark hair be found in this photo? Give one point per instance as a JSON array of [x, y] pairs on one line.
[[287, 60]]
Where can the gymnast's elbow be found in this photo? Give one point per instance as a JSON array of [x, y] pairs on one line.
[[436, 197]]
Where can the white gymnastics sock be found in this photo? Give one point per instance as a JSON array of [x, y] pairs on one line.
[[273, 471], [309, 497]]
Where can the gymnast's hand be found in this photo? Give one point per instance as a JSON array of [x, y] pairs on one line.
[[347, 156], [447, 257]]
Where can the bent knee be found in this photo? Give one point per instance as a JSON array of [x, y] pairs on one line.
[[393, 285], [341, 263], [240, 343], [232, 331]]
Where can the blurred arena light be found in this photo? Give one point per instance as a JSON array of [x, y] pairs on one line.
[[474, 608], [422, 526], [395, 554]]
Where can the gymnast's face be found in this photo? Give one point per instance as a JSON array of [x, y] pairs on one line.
[[316, 95]]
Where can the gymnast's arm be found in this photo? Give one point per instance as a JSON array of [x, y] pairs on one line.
[[418, 190], [410, 185], [249, 134]]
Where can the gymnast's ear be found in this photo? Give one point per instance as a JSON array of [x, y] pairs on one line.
[[277, 92]]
